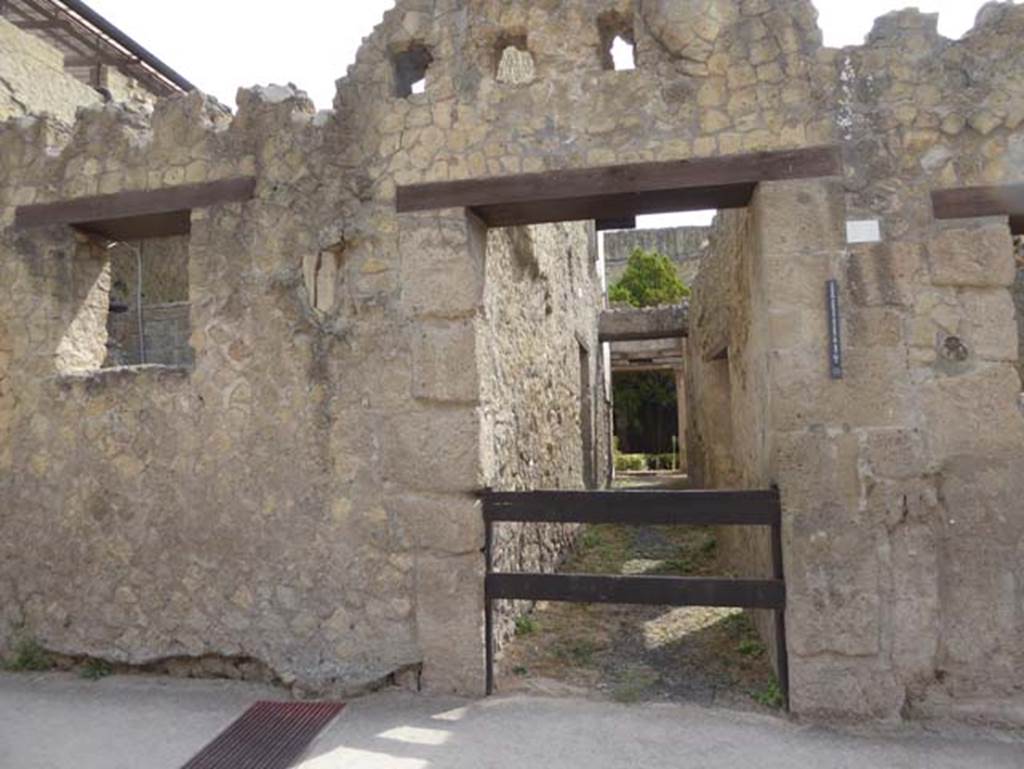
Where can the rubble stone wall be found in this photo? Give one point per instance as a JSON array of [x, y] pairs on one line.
[[683, 245], [540, 311], [325, 451], [32, 78]]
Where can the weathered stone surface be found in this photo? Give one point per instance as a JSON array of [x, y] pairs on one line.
[[324, 450]]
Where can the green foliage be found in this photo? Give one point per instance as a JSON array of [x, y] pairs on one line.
[[630, 462], [95, 669], [770, 696], [750, 647], [28, 656], [650, 279], [635, 392], [525, 625]]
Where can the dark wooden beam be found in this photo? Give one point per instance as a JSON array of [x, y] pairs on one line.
[[624, 223], [971, 202], [614, 192], [652, 591], [136, 213], [668, 322], [695, 508]]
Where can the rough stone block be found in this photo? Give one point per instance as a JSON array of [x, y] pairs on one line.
[[435, 449], [442, 264], [972, 256], [450, 524], [804, 216], [449, 618], [444, 362]]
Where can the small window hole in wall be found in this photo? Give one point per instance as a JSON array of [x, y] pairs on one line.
[[514, 63], [411, 67], [618, 43]]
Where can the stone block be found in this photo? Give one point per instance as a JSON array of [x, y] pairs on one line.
[[434, 449], [449, 524], [973, 256], [450, 623], [442, 264], [802, 216], [827, 687], [444, 362]]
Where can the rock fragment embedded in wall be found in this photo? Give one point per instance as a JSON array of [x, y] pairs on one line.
[[516, 66], [321, 275], [1018, 302]]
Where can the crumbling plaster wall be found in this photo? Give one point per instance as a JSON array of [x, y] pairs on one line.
[[32, 78], [370, 524]]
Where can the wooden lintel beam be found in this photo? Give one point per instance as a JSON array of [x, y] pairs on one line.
[[614, 192], [144, 213], [657, 591], [671, 322], [971, 202]]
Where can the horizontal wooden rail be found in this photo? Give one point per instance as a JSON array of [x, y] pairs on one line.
[[695, 508], [971, 202], [656, 591]]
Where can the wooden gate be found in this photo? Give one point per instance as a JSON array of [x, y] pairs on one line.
[[639, 508]]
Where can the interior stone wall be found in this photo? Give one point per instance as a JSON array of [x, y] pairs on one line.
[[542, 296], [32, 78], [900, 483]]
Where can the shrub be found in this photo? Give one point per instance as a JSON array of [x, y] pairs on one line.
[[29, 656]]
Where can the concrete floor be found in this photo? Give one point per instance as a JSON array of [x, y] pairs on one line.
[[57, 721]]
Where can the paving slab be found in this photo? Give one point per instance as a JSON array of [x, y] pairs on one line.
[[57, 721]]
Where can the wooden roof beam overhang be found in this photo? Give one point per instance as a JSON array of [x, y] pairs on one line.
[[619, 192], [669, 322], [137, 213], [971, 202]]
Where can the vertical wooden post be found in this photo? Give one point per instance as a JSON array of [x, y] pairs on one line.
[[781, 653], [488, 606]]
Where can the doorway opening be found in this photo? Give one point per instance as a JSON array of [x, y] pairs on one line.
[[578, 618]]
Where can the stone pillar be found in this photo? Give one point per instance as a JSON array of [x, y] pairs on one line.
[[432, 457]]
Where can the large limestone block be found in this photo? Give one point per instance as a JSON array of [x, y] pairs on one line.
[[442, 263], [448, 524], [973, 256], [444, 366], [826, 686], [436, 449], [449, 613], [800, 216]]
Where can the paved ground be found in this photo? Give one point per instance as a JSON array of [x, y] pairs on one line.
[[56, 721]]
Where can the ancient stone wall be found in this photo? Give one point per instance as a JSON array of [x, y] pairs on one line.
[[683, 245], [32, 78], [538, 329], [339, 489]]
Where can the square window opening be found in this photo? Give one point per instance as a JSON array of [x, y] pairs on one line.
[[514, 64], [411, 68], [618, 42]]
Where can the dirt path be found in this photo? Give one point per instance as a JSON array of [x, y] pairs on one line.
[[642, 653]]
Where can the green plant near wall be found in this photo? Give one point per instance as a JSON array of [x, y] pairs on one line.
[[650, 279]]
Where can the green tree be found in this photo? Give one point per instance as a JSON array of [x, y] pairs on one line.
[[650, 279]]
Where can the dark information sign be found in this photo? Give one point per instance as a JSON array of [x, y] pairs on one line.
[[835, 343]]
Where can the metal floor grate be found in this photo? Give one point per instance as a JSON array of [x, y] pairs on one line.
[[269, 735]]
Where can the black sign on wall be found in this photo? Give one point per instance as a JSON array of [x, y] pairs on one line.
[[835, 344]]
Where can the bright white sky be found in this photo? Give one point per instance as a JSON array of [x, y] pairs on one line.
[[222, 44]]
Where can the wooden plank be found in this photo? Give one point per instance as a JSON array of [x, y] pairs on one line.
[[699, 508], [137, 227], [612, 192], [669, 322], [615, 206], [656, 591], [623, 223], [100, 211], [971, 202]]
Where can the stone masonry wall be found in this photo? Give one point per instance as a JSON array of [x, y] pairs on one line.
[[32, 78], [683, 245], [360, 554], [541, 300]]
